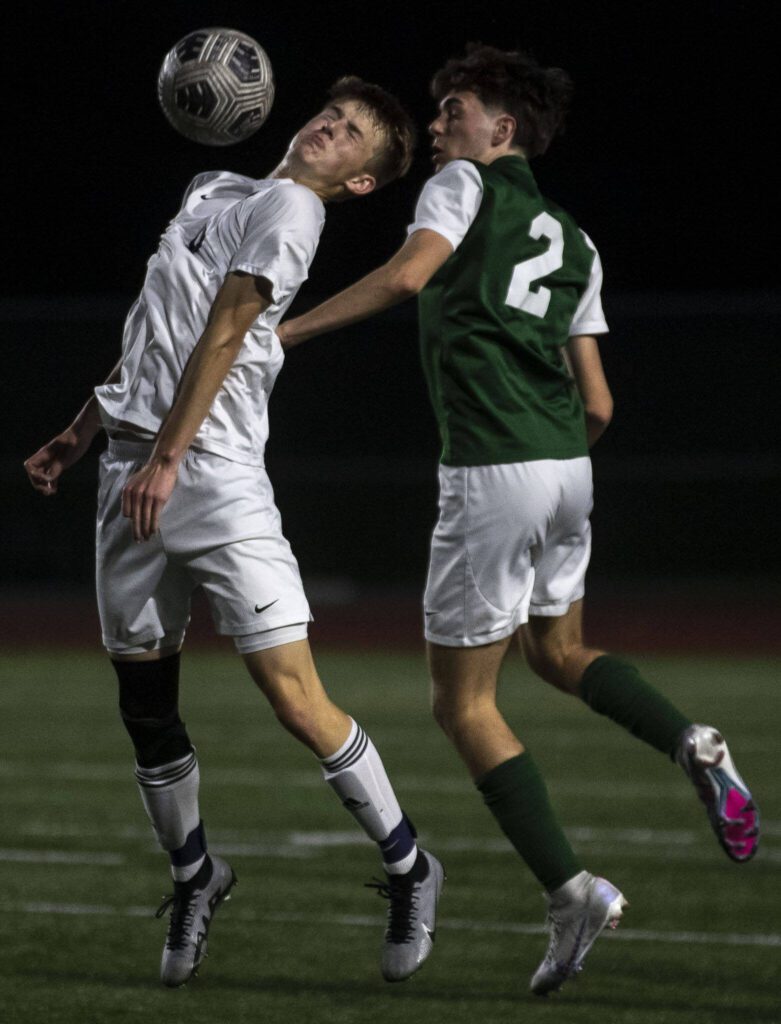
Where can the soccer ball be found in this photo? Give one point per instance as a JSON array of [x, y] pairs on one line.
[[216, 86]]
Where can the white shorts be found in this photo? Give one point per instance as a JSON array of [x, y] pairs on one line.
[[219, 530], [512, 541]]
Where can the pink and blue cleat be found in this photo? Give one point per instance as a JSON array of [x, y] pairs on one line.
[[733, 815]]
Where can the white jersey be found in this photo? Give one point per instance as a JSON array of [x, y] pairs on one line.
[[449, 203], [269, 228]]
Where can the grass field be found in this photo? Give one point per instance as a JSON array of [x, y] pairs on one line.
[[299, 941]]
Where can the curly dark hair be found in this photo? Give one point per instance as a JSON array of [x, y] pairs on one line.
[[538, 98], [396, 126]]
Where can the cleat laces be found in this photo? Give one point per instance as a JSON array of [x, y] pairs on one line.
[[402, 912], [182, 915]]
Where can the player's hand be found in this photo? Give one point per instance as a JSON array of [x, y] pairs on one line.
[[49, 463], [281, 330], [145, 496]]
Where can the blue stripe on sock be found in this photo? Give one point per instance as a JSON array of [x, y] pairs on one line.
[[193, 848], [399, 843]]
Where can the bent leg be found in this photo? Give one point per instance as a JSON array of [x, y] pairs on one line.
[[351, 765], [610, 686], [464, 699]]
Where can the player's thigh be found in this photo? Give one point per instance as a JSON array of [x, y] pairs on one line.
[[492, 519], [561, 561], [229, 537], [253, 587], [143, 597]]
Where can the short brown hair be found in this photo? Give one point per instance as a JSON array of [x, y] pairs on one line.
[[538, 98], [396, 126]]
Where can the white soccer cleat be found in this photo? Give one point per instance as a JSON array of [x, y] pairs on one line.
[[412, 917], [577, 913], [734, 817], [192, 911]]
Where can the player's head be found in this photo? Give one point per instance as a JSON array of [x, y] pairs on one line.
[[492, 102], [361, 139]]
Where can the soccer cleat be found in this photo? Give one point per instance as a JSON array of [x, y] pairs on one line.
[[734, 817], [412, 916], [577, 913], [192, 910]]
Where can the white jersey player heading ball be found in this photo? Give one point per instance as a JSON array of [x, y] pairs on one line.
[[184, 501]]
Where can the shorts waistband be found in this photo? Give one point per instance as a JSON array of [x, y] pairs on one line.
[[129, 449]]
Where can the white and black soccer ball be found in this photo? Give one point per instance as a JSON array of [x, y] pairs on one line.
[[216, 86]]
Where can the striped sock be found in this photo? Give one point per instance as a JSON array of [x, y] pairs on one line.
[[356, 774], [170, 796]]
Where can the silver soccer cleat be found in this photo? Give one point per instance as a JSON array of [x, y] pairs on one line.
[[734, 817], [577, 913], [412, 918], [192, 911]]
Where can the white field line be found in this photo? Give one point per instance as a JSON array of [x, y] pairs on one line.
[[48, 829], [62, 857], [634, 843], [452, 924], [260, 778]]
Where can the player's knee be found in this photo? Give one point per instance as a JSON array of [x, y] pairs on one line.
[[157, 741], [457, 716], [552, 664], [148, 705]]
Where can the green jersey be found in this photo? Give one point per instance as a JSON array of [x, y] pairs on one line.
[[523, 278]]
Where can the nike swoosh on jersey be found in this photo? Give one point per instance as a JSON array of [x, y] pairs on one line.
[[258, 609]]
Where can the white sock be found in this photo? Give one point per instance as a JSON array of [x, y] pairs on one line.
[[170, 796], [357, 775]]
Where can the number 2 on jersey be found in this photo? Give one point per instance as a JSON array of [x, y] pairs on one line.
[[520, 293]]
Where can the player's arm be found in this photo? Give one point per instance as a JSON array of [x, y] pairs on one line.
[[586, 364], [404, 275], [49, 463], [239, 302]]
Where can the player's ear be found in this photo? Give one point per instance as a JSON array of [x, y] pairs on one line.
[[361, 185], [504, 129]]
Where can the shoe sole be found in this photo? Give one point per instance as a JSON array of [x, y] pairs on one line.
[[733, 815]]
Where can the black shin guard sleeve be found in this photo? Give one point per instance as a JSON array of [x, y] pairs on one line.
[[148, 704]]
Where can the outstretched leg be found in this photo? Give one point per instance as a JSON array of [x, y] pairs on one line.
[[353, 768]]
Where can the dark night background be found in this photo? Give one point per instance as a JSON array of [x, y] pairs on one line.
[[666, 163]]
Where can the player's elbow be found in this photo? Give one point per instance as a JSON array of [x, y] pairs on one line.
[[599, 412], [598, 417], [407, 281]]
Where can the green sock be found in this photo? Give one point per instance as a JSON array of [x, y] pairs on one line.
[[516, 795], [615, 688]]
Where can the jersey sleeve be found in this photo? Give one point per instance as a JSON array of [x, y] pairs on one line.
[[589, 317], [449, 201], [280, 238]]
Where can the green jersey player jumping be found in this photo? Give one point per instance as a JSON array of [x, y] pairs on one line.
[[509, 297]]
